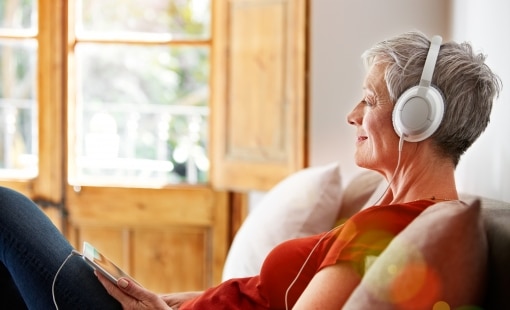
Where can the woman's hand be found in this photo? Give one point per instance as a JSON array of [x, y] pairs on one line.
[[175, 300], [131, 295]]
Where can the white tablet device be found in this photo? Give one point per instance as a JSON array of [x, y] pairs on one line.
[[99, 262]]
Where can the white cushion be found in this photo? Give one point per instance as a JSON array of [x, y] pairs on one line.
[[305, 203]]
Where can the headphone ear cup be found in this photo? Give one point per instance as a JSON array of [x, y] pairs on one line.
[[418, 113]]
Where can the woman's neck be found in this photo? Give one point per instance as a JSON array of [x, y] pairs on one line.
[[422, 180]]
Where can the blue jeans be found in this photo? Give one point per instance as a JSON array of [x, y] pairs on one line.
[[31, 251]]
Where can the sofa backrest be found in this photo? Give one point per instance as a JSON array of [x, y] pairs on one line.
[[366, 188], [496, 215]]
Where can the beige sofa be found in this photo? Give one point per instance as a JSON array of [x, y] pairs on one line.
[[496, 215], [315, 199], [496, 218]]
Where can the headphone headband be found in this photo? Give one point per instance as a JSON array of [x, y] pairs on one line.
[[430, 62]]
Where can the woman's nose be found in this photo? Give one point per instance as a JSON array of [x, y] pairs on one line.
[[355, 116]]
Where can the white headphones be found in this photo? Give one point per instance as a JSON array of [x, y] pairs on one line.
[[419, 110]]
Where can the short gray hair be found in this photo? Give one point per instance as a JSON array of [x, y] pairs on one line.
[[468, 85]]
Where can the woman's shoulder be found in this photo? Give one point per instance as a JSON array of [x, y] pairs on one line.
[[416, 205], [393, 213]]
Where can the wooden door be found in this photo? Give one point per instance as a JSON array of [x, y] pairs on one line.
[[169, 237], [259, 91]]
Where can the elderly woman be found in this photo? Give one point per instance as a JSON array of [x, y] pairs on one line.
[[424, 103]]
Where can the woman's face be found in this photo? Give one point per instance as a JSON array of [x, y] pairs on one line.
[[377, 142]]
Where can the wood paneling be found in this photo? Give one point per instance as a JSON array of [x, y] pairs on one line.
[[52, 108], [167, 239], [259, 92]]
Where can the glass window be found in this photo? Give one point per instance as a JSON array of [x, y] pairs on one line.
[[141, 105], [18, 15], [180, 19], [18, 105]]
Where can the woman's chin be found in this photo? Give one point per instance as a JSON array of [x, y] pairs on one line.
[[364, 163]]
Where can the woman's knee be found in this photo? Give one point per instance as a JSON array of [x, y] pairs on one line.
[[16, 207], [9, 196]]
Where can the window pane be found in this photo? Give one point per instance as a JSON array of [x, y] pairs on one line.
[[142, 114], [183, 19], [15, 14], [18, 109]]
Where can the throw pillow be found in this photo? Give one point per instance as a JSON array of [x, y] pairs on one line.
[[363, 190], [305, 203], [437, 262]]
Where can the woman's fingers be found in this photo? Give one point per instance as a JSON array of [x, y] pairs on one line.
[[131, 295], [112, 288]]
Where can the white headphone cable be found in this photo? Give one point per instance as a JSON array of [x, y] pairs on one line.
[[304, 264], [73, 252], [400, 146]]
